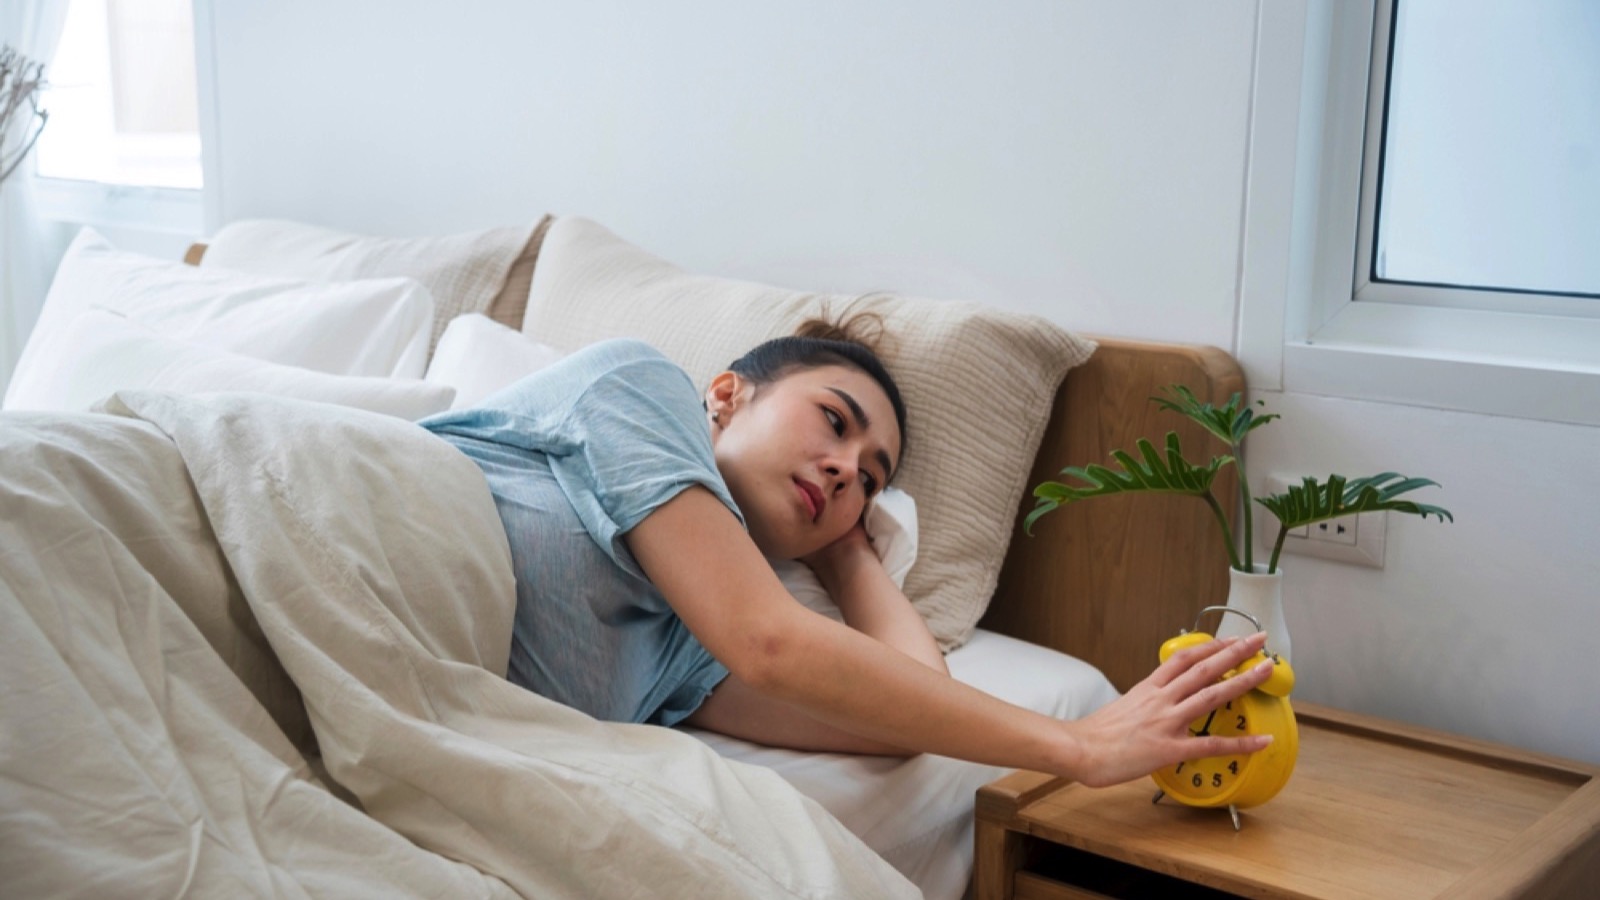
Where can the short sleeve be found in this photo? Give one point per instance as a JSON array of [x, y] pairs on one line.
[[622, 428]]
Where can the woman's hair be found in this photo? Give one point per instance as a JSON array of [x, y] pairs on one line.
[[851, 340]]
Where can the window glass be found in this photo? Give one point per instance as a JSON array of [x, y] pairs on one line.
[[1490, 167], [121, 96]]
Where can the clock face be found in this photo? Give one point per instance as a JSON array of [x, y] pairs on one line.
[[1212, 778], [1241, 780]]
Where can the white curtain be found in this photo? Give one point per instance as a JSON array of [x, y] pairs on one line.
[[33, 27]]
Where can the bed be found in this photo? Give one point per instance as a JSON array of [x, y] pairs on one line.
[[233, 666]]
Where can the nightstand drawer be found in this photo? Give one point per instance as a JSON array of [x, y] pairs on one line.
[[1054, 872]]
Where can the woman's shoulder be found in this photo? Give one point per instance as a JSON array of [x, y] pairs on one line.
[[611, 373], [624, 350], [630, 359]]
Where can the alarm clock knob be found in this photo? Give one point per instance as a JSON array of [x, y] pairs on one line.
[[1279, 683], [1185, 639]]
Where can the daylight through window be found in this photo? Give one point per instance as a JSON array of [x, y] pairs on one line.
[[1490, 167], [122, 96]]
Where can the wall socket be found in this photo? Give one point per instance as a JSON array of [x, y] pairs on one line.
[[1357, 539]]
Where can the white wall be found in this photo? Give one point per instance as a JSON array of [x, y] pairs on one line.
[[1082, 159], [1483, 626], [1085, 161]]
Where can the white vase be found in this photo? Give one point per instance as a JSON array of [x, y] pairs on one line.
[[1260, 595]]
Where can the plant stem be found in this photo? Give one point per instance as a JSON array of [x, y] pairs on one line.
[[1227, 535], [1277, 548], [1249, 522]]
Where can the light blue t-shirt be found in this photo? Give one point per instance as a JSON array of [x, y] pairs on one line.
[[576, 455]]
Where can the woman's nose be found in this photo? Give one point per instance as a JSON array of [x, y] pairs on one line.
[[843, 474]]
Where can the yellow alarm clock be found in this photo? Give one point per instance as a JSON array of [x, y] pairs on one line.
[[1243, 780]]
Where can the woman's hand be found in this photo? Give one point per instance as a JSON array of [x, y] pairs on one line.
[[1148, 727], [842, 561]]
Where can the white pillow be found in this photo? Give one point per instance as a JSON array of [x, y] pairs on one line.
[[479, 271], [478, 356], [100, 352], [892, 523], [377, 327]]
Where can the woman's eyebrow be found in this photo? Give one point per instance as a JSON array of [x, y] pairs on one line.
[[864, 423]]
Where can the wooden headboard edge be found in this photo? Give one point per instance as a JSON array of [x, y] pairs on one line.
[[1108, 580]]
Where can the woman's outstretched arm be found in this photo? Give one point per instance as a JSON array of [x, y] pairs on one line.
[[705, 565]]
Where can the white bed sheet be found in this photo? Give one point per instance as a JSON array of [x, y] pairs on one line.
[[917, 813]]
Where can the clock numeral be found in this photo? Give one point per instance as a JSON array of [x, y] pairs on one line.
[[1228, 705], [1240, 725], [1179, 770], [1197, 781], [1234, 767], [1216, 779]]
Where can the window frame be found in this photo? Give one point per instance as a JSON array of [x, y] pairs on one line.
[[1395, 290], [185, 211], [1311, 318]]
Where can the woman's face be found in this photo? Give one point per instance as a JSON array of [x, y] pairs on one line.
[[803, 455]]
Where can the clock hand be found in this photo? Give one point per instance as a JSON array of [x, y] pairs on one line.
[[1206, 728]]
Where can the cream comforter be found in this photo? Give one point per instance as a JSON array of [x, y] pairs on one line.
[[248, 647]]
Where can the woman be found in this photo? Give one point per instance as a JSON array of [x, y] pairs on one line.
[[641, 515]]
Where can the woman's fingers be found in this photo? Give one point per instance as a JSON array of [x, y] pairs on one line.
[[1149, 726], [1205, 663], [1217, 693], [1209, 670], [1201, 747]]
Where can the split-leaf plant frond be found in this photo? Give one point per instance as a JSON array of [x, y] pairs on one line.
[[1148, 474], [1229, 424], [1309, 502], [1304, 504]]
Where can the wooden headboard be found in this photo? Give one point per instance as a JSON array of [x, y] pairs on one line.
[[1110, 579]]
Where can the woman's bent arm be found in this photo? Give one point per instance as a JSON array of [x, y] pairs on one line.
[[871, 602], [706, 566]]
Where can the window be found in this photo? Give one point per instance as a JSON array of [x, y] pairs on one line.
[[1483, 175], [1423, 195], [123, 148], [122, 96]]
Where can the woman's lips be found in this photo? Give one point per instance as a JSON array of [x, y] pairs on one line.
[[812, 495]]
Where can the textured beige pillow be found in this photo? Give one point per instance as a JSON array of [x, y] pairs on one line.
[[475, 272], [978, 385]]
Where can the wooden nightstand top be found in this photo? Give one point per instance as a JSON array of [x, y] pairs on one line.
[[1374, 809]]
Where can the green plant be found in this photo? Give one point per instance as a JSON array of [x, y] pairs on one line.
[[1150, 471]]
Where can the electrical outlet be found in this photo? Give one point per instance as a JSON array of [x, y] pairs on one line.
[[1339, 531], [1357, 539]]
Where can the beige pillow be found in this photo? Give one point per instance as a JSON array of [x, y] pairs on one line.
[[978, 385], [475, 272]]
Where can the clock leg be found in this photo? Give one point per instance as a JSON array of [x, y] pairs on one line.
[[1158, 796], [1234, 812]]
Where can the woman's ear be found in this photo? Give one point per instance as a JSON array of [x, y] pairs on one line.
[[725, 396]]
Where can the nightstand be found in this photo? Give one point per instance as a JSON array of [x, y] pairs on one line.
[[1375, 809]]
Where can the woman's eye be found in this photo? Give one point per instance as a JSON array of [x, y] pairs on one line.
[[834, 419], [870, 483]]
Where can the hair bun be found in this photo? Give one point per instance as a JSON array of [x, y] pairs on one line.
[[851, 339], [863, 328]]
